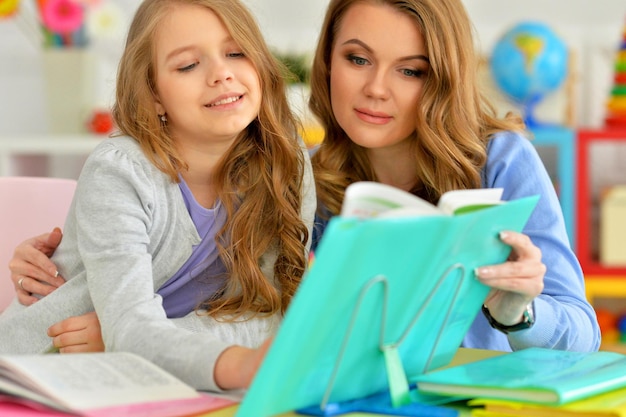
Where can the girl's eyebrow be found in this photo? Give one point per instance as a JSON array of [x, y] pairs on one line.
[[368, 49], [178, 51], [226, 42]]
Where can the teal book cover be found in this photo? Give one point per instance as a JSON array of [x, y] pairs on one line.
[[533, 375], [395, 292]]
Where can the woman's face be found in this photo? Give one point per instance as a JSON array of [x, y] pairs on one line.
[[378, 68], [209, 89]]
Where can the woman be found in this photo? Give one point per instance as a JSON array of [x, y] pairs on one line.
[[394, 84]]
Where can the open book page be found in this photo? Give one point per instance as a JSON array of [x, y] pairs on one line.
[[465, 201], [371, 199], [89, 381]]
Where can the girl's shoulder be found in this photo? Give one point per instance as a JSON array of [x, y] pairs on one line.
[[122, 144], [122, 156], [120, 150]]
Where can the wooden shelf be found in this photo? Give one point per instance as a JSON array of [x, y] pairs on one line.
[[13, 149], [598, 286]]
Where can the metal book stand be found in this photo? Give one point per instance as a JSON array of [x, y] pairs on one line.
[[399, 400]]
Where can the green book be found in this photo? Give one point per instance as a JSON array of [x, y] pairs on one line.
[[385, 300], [533, 375]]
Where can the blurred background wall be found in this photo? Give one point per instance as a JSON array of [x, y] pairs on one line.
[[591, 29]]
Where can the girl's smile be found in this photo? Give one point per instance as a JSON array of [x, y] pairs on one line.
[[226, 99]]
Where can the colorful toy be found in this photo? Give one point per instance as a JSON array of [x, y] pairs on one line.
[[612, 325], [621, 327], [100, 122], [616, 105], [607, 320]]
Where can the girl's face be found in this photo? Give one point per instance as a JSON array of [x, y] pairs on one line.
[[210, 91], [378, 68]]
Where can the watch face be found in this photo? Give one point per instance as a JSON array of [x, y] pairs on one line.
[[529, 314]]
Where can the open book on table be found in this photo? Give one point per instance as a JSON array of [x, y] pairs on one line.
[[387, 299], [95, 385]]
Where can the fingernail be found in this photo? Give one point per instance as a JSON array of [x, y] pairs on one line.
[[504, 235], [482, 272], [56, 273]]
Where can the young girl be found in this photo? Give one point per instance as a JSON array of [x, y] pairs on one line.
[[394, 83], [205, 197]]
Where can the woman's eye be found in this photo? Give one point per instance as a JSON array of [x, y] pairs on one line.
[[187, 68], [413, 72], [236, 55], [357, 60]]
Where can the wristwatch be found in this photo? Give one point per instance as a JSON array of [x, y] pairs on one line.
[[527, 321]]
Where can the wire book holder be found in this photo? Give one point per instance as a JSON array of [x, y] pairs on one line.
[[398, 381], [332, 355]]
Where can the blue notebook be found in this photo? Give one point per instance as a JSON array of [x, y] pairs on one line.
[[385, 300]]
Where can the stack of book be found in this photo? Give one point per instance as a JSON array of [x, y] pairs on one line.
[[536, 382]]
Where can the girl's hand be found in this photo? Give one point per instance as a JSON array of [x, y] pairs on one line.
[[236, 366], [514, 283], [32, 272], [77, 334]]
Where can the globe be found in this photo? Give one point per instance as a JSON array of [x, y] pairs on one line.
[[528, 62]]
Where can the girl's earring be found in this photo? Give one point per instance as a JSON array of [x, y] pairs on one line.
[[163, 118]]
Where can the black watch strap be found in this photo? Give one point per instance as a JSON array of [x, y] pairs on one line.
[[526, 323]]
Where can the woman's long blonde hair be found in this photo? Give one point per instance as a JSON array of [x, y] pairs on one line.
[[258, 181], [454, 119]]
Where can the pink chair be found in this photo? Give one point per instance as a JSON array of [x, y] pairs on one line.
[[29, 206]]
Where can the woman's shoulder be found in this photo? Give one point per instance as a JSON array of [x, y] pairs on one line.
[[508, 144], [511, 157], [508, 138]]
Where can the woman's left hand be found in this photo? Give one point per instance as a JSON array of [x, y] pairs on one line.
[[516, 282]]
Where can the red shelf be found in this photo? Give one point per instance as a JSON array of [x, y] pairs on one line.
[[584, 221]]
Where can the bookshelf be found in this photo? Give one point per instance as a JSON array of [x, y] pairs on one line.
[[598, 167], [595, 147]]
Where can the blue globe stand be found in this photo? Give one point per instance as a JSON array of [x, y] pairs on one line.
[[529, 112]]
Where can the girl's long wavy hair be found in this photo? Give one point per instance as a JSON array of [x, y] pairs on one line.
[[259, 180], [454, 120]]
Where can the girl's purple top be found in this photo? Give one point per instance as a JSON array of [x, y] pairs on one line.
[[203, 275]]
